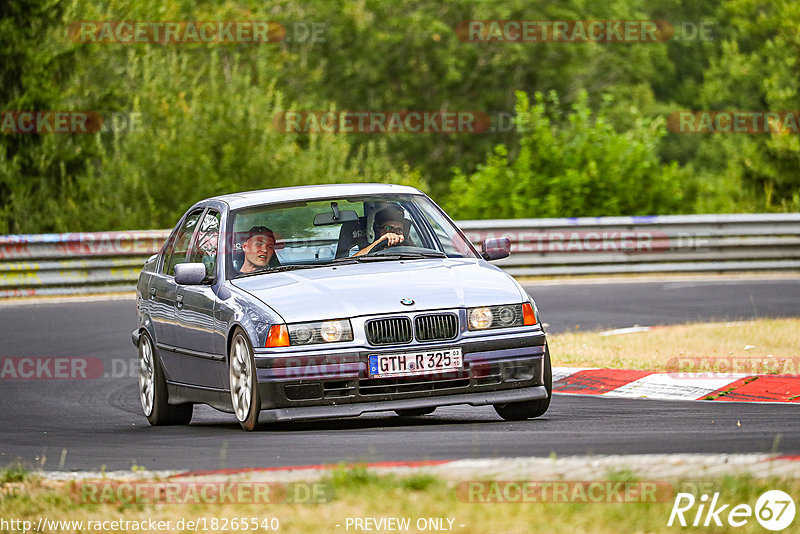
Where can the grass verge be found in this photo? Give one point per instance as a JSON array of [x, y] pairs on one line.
[[762, 346], [359, 493]]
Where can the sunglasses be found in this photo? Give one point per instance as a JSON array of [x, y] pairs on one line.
[[393, 229]]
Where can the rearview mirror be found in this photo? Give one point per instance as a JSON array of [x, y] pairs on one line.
[[190, 274], [496, 248], [323, 219]]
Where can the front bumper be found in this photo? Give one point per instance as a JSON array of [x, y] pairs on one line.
[[135, 335], [356, 409], [309, 384]]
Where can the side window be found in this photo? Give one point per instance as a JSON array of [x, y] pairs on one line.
[[451, 244], [413, 236], [176, 252], [204, 248]]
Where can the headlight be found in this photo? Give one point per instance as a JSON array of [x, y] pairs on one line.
[[480, 318], [331, 331], [320, 332], [501, 316]]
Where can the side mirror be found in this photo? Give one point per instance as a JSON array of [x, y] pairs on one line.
[[190, 274], [496, 248]]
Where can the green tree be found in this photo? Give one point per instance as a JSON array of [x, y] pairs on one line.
[[756, 69], [203, 132], [571, 165], [35, 169]]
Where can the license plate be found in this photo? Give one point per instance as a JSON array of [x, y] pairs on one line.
[[414, 363]]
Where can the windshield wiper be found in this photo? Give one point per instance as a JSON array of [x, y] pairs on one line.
[[297, 266], [282, 268], [402, 256], [339, 261]]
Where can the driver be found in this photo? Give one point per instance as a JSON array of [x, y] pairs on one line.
[[390, 226], [259, 250]]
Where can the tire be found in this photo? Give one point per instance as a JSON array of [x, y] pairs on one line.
[[153, 390], [242, 373], [415, 412], [518, 411]]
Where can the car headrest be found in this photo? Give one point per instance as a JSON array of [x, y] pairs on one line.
[[352, 233]]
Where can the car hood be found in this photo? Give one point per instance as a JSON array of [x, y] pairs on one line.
[[351, 290]]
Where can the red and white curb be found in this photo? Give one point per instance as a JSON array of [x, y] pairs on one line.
[[731, 387]]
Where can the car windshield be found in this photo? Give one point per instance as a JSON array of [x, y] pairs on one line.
[[297, 235]]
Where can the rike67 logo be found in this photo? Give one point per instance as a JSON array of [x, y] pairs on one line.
[[774, 510]]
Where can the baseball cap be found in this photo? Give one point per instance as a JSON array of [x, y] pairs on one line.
[[259, 230], [392, 212]]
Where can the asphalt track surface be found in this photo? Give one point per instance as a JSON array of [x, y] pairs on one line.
[[99, 423]]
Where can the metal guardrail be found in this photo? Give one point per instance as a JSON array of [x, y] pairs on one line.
[[666, 243], [53, 264], [59, 264]]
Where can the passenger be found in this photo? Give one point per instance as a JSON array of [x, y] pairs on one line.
[[259, 250], [390, 226]]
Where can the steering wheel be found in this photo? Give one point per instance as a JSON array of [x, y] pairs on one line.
[[383, 245]]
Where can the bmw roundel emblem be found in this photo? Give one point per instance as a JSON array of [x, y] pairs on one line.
[[407, 302]]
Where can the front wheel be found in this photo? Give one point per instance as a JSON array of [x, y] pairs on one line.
[[153, 390], [518, 411], [244, 390]]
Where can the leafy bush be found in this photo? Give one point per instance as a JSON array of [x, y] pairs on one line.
[[575, 165]]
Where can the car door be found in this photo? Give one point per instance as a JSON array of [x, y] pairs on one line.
[[163, 295], [200, 340]]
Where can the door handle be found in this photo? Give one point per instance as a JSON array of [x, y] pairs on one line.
[[179, 301], [152, 292]]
